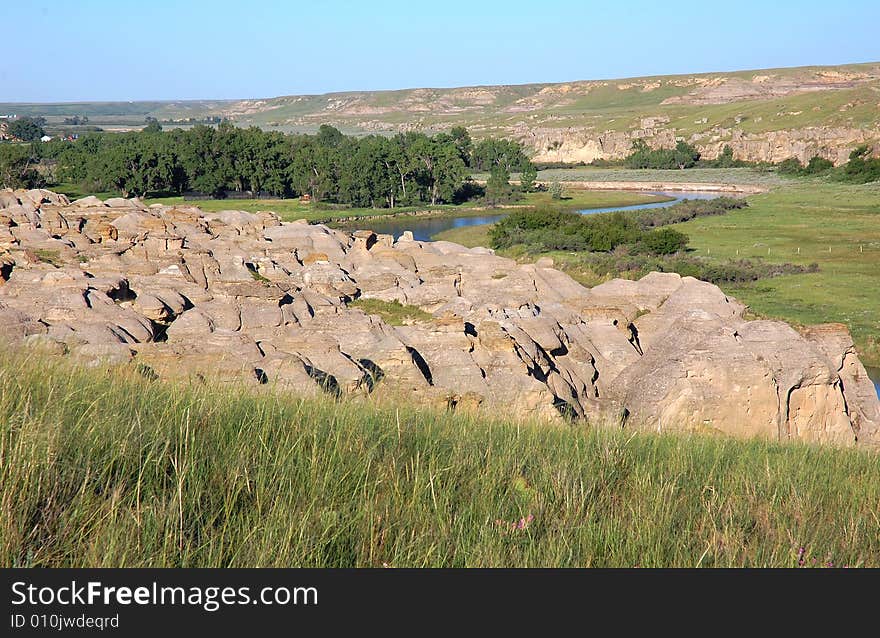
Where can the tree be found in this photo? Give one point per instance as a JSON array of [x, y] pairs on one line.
[[329, 136], [725, 159], [491, 152], [527, 177], [27, 129], [642, 156], [440, 167], [17, 167], [498, 188], [374, 171], [685, 155], [861, 167], [463, 143]]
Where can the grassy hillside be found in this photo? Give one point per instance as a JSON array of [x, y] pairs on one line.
[[703, 104], [100, 468], [762, 101]]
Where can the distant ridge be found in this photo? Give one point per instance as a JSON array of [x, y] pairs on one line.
[[764, 115]]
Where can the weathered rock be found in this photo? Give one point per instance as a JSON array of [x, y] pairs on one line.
[[241, 297]]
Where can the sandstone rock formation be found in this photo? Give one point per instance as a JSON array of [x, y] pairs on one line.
[[243, 298], [586, 144]]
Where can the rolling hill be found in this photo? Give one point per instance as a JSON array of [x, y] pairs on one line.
[[764, 115]]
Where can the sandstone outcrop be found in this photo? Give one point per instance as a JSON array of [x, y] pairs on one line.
[[586, 144], [237, 297]]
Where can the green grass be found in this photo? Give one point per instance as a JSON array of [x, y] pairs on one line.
[[76, 191], [393, 313], [807, 221], [575, 199], [103, 468], [745, 176], [52, 257], [469, 236]]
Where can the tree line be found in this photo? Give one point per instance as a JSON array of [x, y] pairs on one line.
[[372, 171]]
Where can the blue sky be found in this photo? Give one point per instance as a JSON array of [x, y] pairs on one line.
[[116, 50]]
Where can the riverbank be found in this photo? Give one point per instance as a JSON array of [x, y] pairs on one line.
[[294, 209], [582, 199], [427, 228]]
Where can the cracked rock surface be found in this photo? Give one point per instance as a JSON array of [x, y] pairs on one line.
[[244, 298]]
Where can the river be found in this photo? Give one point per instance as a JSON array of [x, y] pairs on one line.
[[424, 228]]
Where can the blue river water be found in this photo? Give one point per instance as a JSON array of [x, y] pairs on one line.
[[423, 229]]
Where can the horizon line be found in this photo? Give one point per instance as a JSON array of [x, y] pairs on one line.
[[439, 88]]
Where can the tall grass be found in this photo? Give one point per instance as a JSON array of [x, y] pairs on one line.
[[107, 468]]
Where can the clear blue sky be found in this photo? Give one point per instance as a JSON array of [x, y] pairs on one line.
[[61, 50]]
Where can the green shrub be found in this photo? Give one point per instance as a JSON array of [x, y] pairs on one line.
[[790, 166], [662, 242], [682, 156], [861, 167], [818, 166]]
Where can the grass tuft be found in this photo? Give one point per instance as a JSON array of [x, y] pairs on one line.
[[393, 313]]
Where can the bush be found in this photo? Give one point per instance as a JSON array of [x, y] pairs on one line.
[[551, 229], [687, 210], [818, 166], [633, 265], [662, 242], [726, 160], [790, 166], [554, 230], [861, 167], [556, 190], [682, 156]]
